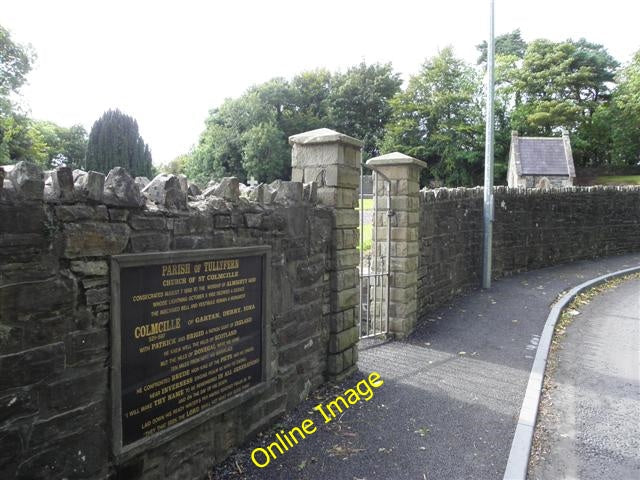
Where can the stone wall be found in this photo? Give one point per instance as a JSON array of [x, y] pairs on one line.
[[55, 242], [532, 229], [59, 229]]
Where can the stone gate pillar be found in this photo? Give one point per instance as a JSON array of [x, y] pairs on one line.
[[404, 175], [332, 160]]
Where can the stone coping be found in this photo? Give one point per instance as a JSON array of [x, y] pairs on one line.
[[323, 135], [394, 158]]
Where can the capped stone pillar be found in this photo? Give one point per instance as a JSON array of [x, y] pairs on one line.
[[403, 173], [332, 160]]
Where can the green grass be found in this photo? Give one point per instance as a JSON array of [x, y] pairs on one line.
[[618, 180], [367, 235], [366, 203]]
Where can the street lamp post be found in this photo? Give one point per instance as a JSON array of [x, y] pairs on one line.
[[488, 158]]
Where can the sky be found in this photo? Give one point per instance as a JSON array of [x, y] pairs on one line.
[[168, 63]]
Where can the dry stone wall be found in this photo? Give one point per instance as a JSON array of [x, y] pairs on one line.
[[57, 232], [533, 228]]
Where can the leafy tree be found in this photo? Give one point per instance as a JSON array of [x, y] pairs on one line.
[[222, 149], [510, 49], [115, 141], [265, 152], [271, 99], [562, 85], [510, 44], [178, 165], [624, 115], [216, 155], [248, 136], [18, 141], [299, 105], [506, 99], [15, 63], [360, 103], [310, 103], [67, 145], [22, 141], [73, 145], [439, 119]]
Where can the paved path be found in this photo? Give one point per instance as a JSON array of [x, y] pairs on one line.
[[452, 393], [593, 426]]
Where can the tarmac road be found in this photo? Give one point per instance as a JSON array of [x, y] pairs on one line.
[[452, 394], [592, 428]]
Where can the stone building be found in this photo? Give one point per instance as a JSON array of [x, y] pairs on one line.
[[540, 162]]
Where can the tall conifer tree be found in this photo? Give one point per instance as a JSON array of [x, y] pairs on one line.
[[115, 141]]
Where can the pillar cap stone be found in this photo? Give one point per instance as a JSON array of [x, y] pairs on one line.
[[394, 158], [323, 135]]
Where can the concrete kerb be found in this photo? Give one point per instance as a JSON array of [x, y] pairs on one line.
[[518, 461]]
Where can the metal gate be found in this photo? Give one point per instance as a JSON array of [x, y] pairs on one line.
[[374, 269]]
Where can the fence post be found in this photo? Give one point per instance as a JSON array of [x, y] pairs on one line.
[[403, 173], [332, 160]]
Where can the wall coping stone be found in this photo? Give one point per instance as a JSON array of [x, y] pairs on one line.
[[393, 159], [432, 194], [323, 135]]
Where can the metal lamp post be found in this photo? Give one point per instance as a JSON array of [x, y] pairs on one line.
[[488, 158]]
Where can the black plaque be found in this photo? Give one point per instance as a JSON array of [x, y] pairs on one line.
[[189, 332]]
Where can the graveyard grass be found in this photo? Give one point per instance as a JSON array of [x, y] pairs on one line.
[[366, 203], [618, 180], [364, 244], [367, 234]]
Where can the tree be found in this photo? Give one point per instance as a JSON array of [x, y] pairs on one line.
[[624, 115], [178, 165], [18, 141], [507, 44], [309, 105], [22, 141], [22, 138], [300, 104], [506, 99], [15, 63], [115, 141], [510, 49], [360, 103], [218, 154], [227, 141], [265, 152], [67, 145], [247, 136], [562, 85], [439, 119], [73, 145]]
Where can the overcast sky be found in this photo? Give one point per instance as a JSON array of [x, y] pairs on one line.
[[168, 63]]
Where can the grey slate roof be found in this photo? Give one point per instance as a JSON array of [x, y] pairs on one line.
[[544, 156]]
